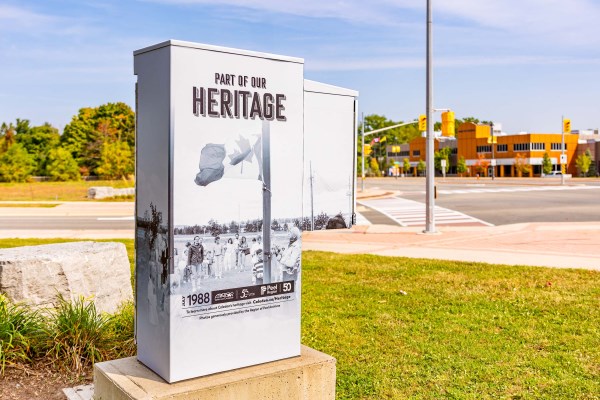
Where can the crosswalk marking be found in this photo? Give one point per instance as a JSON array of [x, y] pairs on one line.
[[412, 213], [515, 189], [361, 220]]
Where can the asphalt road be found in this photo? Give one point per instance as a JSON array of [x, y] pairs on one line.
[[505, 201]]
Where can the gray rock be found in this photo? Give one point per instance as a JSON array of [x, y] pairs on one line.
[[36, 275], [103, 192]]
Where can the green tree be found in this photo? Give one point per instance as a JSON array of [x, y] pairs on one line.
[[16, 165], [87, 132], [116, 161], [406, 166], [461, 165], [374, 165], [421, 167], [546, 164], [583, 162], [7, 136], [442, 154], [38, 141], [61, 166]]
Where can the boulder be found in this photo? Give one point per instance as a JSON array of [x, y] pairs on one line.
[[36, 275], [103, 192]]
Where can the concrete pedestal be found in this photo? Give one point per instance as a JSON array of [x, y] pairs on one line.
[[308, 377]]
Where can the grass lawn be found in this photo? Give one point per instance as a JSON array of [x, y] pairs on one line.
[[54, 191], [411, 328]]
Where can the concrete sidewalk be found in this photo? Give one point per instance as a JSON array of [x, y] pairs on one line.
[[560, 245]]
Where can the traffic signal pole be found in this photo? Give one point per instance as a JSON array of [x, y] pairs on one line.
[[372, 133]]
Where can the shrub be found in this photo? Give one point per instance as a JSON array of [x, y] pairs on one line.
[[21, 332], [79, 335]]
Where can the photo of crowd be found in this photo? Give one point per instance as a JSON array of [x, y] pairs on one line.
[[211, 262]]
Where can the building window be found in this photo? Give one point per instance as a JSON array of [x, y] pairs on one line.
[[454, 150], [502, 148], [557, 146], [521, 146], [484, 149], [398, 154], [416, 153], [538, 146]]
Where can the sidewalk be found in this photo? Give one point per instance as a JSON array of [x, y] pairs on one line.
[[566, 245], [561, 245]]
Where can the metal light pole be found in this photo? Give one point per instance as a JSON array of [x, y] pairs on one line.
[[493, 154], [562, 129], [430, 173]]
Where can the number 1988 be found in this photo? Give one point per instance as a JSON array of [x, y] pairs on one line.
[[195, 299]]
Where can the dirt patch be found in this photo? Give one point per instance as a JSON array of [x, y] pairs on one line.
[[38, 382]]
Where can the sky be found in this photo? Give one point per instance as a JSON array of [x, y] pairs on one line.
[[522, 63]]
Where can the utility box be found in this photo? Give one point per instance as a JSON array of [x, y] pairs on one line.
[[330, 122], [220, 172]]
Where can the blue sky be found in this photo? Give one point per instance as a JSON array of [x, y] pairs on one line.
[[522, 63]]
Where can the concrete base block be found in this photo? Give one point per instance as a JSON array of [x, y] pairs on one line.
[[308, 377]]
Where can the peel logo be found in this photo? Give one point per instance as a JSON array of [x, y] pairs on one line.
[[263, 290], [224, 296]]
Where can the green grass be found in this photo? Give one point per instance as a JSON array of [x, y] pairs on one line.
[[54, 191], [411, 328], [463, 330]]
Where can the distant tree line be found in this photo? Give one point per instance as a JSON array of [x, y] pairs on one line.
[[98, 142]]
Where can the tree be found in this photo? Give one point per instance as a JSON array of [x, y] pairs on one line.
[[61, 166], [87, 132], [481, 165], [38, 141], [16, 165], [374, 167], [546, 164], [7, 134], [583, 162], [116, 161], [520, 165], [442, 154], [421, 167], [406, 167], [461, 166]]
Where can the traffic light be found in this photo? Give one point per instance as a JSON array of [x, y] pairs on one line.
[[448, 123], [566, 126], [422, 123], [367, 149]]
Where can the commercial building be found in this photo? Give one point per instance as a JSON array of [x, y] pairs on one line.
[[505, 155]]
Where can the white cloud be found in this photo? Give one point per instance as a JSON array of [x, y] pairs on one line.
[[379, 63], [573, 21]]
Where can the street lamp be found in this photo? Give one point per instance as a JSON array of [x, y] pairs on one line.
[[430, 174], [493, 154]]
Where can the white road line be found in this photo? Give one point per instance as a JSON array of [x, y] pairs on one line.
[[410, 213], [515, 189], [115, 218]]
